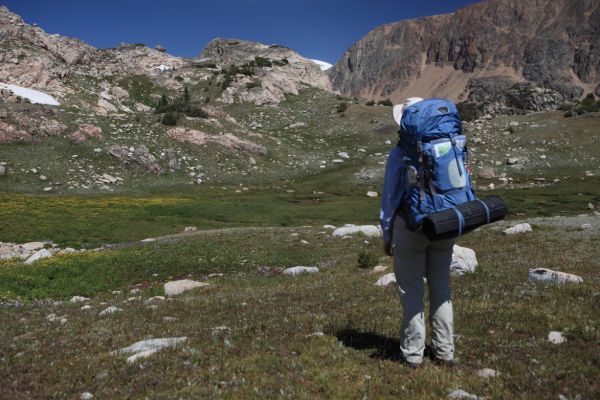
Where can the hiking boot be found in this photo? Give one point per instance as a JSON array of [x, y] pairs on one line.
[[432, 354], [444, 363], [411, 365]]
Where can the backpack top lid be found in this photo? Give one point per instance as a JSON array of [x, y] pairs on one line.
[[429, 120]]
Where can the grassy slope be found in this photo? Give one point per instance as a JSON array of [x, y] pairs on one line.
[[501, 322]]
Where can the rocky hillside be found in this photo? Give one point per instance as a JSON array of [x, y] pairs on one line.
[[548, 43], [74, 117], [282, 70]]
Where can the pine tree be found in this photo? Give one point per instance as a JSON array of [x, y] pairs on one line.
[[186, 95]]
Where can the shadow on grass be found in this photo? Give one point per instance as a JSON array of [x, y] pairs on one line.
[[385, 348]]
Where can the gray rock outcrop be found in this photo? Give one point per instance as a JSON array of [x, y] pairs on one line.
[[545, 275], [139, 157], [279, 70], [464, 261], [174, 288]]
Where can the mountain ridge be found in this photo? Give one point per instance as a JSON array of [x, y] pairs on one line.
[[520, 40]]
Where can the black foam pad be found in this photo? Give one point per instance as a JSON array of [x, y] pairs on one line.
[[444, 224]]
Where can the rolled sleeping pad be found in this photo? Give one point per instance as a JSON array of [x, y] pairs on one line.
[[448, 224]]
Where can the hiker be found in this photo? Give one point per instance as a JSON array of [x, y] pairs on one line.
[[416, 257]]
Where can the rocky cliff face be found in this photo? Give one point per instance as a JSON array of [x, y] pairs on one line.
[[551, 43]]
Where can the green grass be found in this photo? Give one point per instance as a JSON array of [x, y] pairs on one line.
[[266, 352], [93, 221]]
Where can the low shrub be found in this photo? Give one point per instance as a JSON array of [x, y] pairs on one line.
[[262, 62], [342, 107], [367, 259], [169, 119]]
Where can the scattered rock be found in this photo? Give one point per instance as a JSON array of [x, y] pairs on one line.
[[189, 229], [386, 280], [461, 394], [79, 299], [145, 348], [329, 227], [487, 173], [138, 157], [298, 125], [53, 317], [372, 194], [119, 93], [86, 396], [154, 299], [300, 270], [556, 337], [174, 288], [591, 207], [488, 373], [379, 269], [520, 228], [545, 275], [86, 307], [586, 226], [349, 229], [31, 246], [2, 170], [38, 256], [110, 310], [464, 261], [230, 141]]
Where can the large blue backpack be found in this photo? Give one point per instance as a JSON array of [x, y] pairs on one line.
[[435, 156]]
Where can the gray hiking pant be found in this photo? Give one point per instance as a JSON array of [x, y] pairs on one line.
[[415, 258]]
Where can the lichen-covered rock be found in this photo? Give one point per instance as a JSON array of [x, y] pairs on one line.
[[545, 275], [464, 260]]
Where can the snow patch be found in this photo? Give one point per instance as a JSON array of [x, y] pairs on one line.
[[34, 96], [324, 65], [163, 68]]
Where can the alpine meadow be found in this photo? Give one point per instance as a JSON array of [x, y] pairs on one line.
[[209, 227]]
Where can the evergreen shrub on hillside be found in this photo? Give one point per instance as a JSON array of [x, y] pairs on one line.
[[262, 62], [342, 107], [169, 119]]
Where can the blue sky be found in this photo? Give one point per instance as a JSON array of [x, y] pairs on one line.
[[316, 29]]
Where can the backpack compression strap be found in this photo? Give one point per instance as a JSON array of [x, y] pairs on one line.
[[421, 174], [487, 211], [461, 221]]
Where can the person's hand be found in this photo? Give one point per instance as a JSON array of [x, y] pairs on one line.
[[387, 249]]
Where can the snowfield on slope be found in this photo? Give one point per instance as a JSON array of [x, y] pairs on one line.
[[34, 96], [324, 65]]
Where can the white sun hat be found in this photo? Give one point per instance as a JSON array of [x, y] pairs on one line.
[[399, 108]]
